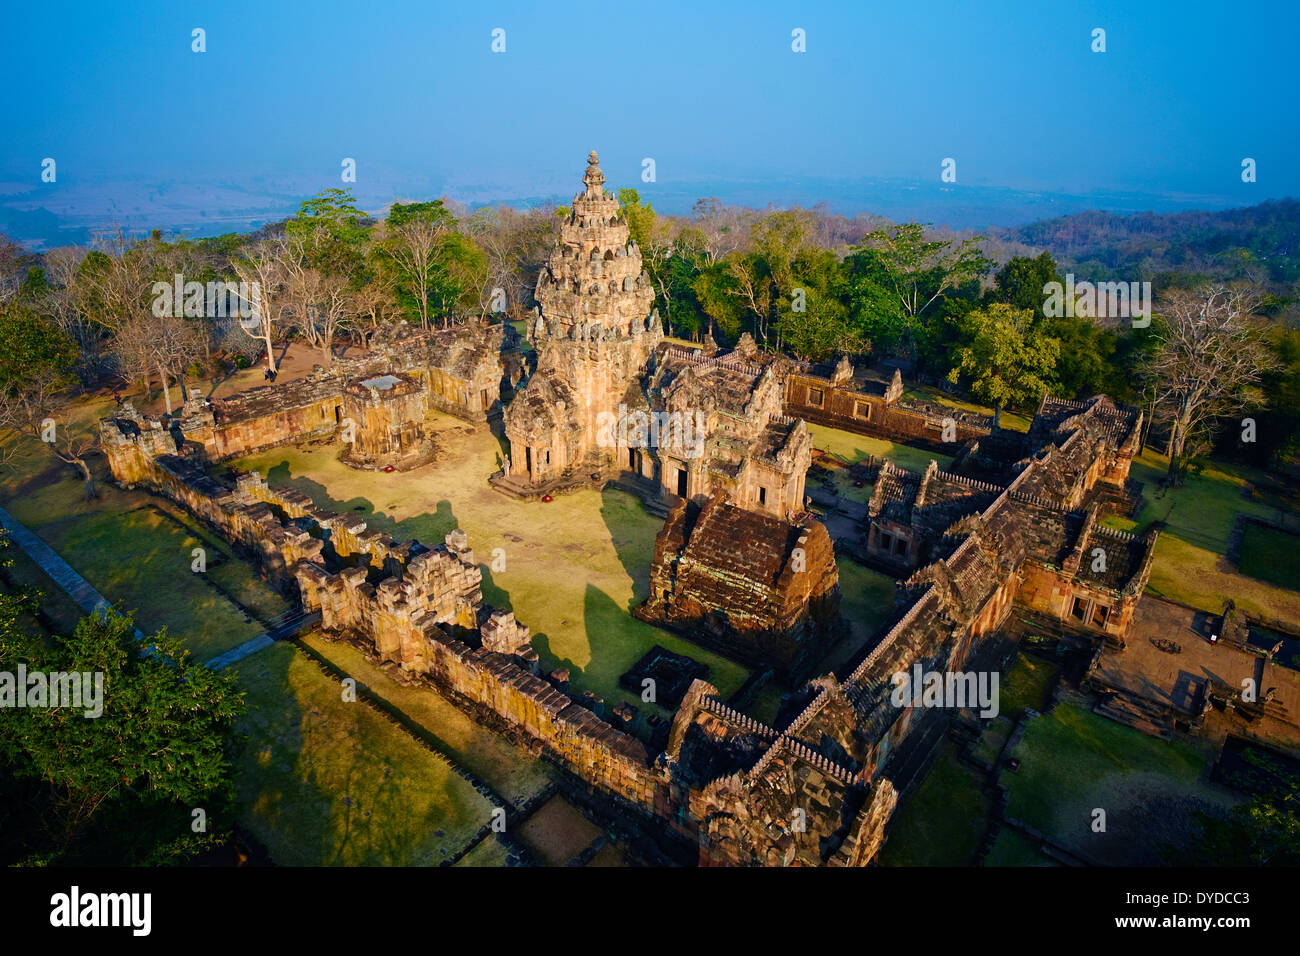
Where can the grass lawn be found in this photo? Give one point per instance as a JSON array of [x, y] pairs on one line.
[[324, 782], [1027, 684], [854, 448], [1073, 761], [943, 820], [574, 567], [1270, 555], [489, 852], [510, 770], [1189, 563], [23, 573], [133, 555], [141, 561], [1012, 848], [996, 732]]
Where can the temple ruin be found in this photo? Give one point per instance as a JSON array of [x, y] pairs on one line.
[[610, 403], [1016, 521]]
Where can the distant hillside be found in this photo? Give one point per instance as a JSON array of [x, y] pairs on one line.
[[1258, 242]]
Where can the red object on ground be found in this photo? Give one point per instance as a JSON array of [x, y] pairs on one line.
[[388, 468], [546, 497]]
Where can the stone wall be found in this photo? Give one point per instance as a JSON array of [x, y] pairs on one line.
[[459, 370], [881, 413]]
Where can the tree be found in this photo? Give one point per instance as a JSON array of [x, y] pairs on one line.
[[413, 245], [917, 271], [263, 266], [36, 358], [813, 321], [1006, 360], [332, 232], [118, 788], [1020, 283], [654, 237], [516, 245], [1210, 358], [1263, 831]]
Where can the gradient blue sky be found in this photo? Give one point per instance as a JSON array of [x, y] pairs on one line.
[[711, 91]]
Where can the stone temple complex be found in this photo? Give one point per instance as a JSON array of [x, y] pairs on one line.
[[610, 402], [740, 565]]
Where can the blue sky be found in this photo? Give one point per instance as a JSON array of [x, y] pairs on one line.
[[711, 91]]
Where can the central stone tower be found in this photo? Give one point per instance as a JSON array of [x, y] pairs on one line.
[[595, 335]]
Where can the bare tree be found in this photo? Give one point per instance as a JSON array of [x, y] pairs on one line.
[[415, 247], [39, 411], [1208, 365], [263, 268], [372, 304], [113, 290], [723, 229]]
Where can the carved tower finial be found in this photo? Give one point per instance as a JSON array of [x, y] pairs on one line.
[[593, 177]]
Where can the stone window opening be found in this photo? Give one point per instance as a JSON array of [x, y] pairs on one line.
[[1080, 609], [762, 496], [900, 545], [885, 541], [862, 410], [816, 397]]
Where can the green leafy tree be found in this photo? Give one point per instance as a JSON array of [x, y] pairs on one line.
[[1263, 831], [1020, 282], [415, 249], [119, 787], [333, 232], [917, 272], [1006, 360]]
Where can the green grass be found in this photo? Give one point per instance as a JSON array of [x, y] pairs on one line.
[[1012, 848], [509, 770], [573, 567], [1270, 554], [1189, 565], [137, 558], [996, 732], [767, 702], [489, 852], [141, 562], [943, 821], [24, 574], [321, 781], [1027, 684], [854, 448], [1073, 762]]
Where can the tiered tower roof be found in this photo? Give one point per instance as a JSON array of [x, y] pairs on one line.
[[593, 286]]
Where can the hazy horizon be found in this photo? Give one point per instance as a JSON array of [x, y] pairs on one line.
[[147, 133]]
